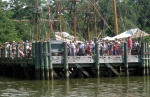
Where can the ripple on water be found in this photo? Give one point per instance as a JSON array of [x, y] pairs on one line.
[[105, 87]]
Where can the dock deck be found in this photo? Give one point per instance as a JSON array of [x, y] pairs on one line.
[[42, 65]]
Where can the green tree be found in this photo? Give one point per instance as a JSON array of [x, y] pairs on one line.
[[7, 27]]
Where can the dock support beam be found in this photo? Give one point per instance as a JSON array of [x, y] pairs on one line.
[[97, 60], [50, 61], [45, 55], [143, 56], [66, 68], [126, 59], [41, 60], [146, 58], [36, 57]]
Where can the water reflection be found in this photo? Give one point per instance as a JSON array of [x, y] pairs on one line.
[[102, 87]]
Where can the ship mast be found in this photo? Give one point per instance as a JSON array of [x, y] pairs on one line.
[[37, 20], [95, 28], [49, 24], [115, 17], [74, 13]]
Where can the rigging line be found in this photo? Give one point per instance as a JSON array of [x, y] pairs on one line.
[[99, 14], [30, 39], [57, 4], [122, 20], [51, 27], [141, 34], [31, 32], [34, 24], [129, 8], [24, 13]]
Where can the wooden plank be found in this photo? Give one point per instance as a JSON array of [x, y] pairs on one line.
[[113, 69]]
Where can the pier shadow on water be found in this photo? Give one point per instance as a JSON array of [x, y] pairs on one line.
[[98, 87]]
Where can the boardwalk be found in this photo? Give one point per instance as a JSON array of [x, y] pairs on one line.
[[42, 65]]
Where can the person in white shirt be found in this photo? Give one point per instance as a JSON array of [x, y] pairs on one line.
[[73, 49]]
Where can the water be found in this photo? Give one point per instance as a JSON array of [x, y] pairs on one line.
[[103, 87]]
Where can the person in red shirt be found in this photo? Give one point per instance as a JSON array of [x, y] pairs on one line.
[[115, 48], [129, 45]]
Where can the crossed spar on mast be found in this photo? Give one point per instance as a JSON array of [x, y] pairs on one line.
[[74, 20]]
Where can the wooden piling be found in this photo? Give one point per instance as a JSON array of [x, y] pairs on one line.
[[33, 51], [41, 60], [50, 60], [45, 56], [147, 58], [66, 67], [97, 59], [143, 58], [37, 58], [126, 59]]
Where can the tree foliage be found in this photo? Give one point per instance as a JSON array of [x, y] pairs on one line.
[[130, 14]]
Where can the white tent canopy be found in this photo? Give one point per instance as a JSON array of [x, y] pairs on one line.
[[126, 34], [108, 38], [65, 36], [133, 33]]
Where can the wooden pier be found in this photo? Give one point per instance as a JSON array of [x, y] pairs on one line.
[[50, 60]]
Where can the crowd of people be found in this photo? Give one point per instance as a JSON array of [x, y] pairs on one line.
[[87, 48], [11, 48], [106, 47]]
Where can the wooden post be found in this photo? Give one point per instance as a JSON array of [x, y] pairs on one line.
[[33, 51], [50, 61], [146, 50], [148, 59], [97, 59], [17, 50], [66, 60], [143, 56], [36, 57], [10, 52], [45, 57], [126, 59], [25, 53], [41, 60]]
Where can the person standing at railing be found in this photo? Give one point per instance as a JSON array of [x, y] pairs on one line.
[[13, 46], [115, 48], [86, 47], [6, 48], [129, 45], [81, 49], [73, 48]]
